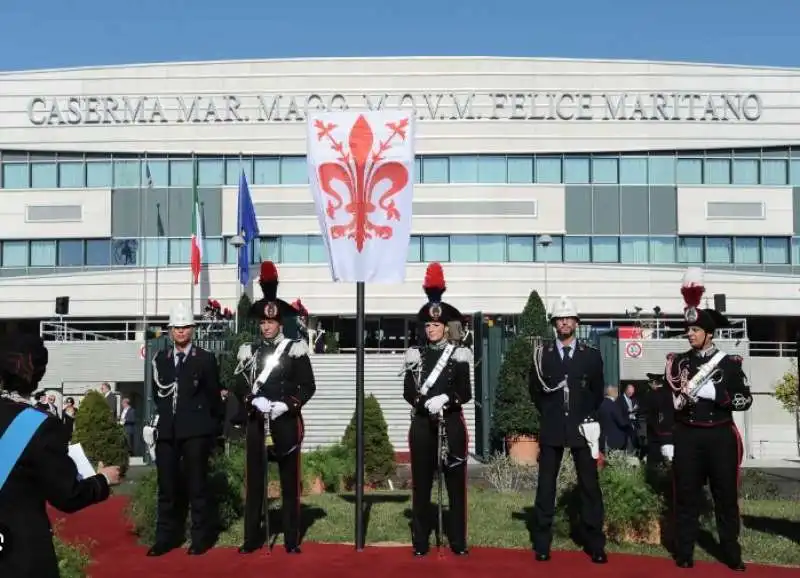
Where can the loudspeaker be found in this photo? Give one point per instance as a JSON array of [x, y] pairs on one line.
[[62, 305], [719, 302]]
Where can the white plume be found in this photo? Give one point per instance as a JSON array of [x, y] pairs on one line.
[[693, 277]]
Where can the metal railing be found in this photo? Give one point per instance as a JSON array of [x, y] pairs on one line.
[[124, 329], [773, 348]]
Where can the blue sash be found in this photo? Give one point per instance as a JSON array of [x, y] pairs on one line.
[[15, 439]]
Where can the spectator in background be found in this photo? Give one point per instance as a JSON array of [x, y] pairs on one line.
[[51, 404], [40, 401], [111, 399], [68, 416], [614, 423], [630, 405], [127, 420]]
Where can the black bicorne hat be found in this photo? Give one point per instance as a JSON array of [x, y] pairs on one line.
[[436, 310], [709, 320], [269, 306]]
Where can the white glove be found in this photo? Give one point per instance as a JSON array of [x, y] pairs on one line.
[[278, 409], [262, 404], [668, 451], [590, 430], [708, 391], [245, 352], [435, 404]]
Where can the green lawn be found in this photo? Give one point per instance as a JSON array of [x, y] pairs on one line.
[[499, 519]]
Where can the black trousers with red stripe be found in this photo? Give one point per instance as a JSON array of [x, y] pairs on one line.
[[707, 454], [423, 438], [286, 432]]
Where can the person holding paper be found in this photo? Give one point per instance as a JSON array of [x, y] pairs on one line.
[[35, 467], [275, 380], [187, 396]]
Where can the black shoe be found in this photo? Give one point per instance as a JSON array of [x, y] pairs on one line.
[[161, 548], [420, 552], [542, 556], [293, 550], [248, 548], [198, 549], [599, 557], [460, 551], [737, 565], [684, 562]]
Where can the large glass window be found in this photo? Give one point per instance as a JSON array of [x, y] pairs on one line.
[[294, 171], [181, 174], [294, 249], [795, 250], [180, 251], [213, 250], [464, 169], [70, 253], [520, 169], [605, 249], [548, 170], [436, 249], [747, 250], [795, 172], [464, 248], [492, 169], [15, 175], [491, 248], [266, 172], [719, 250], [576, 171], [210, 172], [316, 250], [234, 168], [44, 175], [127, 174], [269, 249], [71, 175], [577, 249], [15, 253], [155, 252], [604, 170], [159, 172], [718, 172], [633, 170], [690, 250], [774, 172], [99, 175], [414, 249], [553, 253], [776, 250], [690, 172], [98, 252], [435, 170], [43, 253], [521, 249], [662, 250], [662, 170], [745, 171], [634, 250]]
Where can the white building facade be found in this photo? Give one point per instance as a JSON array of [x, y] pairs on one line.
[[635, 170]]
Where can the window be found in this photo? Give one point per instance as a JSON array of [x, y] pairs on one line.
[[548, 170], [774, 172], [210, 172], [159, 172], [690, 250], [463, 169], [15, 175], [213, 250], [317, 253], [435, 170], [662, 250], [99, 175], [635, 250], [294, 249], [747, 250], [718, 172], [551, 254], [491, 248], [745, 171], [70, 253], [414, 249], [125, 252], [633, 170], [70, 175], [795, 250], [181, 174], [266, 172], [690, 172], [436, 249], [98, 252], [604, 170], [155, 252], [577, 249], [520, 169], [795, 172], [520, 249], [44, 175], [492, 169], [15, 253], [268, 249], [127, 174], [294, 171], [43, 253], [719, 250], [234, 168], [180, 251], [776, 250], [661, 170], [576, 171], [605, 249], [464, 248]]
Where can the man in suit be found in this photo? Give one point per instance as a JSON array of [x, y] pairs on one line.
[[659, 414], [111, 399], [128, 421], [567, 384], [615, 426], [186, 391]]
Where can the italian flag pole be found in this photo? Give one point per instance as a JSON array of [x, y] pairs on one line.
[[197, 233]]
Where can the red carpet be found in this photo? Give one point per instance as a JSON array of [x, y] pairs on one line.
[[116, 554]]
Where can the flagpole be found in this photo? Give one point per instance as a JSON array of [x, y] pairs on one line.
[[144, 241], [360, 538], [194, 209]]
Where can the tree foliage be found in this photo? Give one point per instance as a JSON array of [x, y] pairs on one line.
[[514, 413], [97, 430], [786, 391], [379, 462]]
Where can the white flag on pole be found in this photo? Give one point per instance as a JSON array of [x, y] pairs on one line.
[[361, 174]]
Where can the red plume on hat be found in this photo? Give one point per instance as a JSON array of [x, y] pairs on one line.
[[268, 280], [692, 287], [434, 285]]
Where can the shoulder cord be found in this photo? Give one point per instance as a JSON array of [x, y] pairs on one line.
[[538, 353], [165, 390]]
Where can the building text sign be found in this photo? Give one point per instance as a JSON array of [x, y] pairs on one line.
[[445, 106]]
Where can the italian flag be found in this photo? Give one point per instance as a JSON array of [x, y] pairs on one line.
[[197, 231]]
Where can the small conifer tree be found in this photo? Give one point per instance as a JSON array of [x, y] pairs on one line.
[[514, 413], [379, 461], [102, 438]]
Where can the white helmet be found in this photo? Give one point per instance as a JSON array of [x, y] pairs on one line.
[[180, 316], [563, 307]]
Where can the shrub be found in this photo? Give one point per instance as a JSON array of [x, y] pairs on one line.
[[226, 481], [228, 362], [102, 438], [73, 559], [505, 475], [514, 413], [334, 466], [379, 462], [786, 391]]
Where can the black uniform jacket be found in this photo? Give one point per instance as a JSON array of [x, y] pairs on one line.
[[200, 411], [730, 384], [44, 473], [659, 411], [291, 381], [560, 416], [454, 380]]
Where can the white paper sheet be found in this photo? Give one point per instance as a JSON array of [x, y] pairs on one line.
[[85, 469]]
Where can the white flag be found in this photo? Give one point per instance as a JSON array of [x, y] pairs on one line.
[[361, 174]]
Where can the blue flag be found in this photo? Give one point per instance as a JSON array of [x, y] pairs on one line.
[[247, 225]]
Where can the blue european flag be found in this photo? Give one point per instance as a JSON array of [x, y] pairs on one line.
[[247, 225]]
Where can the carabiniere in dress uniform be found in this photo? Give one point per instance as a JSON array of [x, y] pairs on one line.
[[437, 384], [708, 385], [275, 380]]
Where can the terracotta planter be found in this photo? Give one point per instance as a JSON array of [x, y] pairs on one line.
[[274, 490], [650, 534], [316, 487], [523, 450]]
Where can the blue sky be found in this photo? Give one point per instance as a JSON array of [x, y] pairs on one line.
[[54, 34]]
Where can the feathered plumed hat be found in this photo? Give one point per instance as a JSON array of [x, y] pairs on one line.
[[435, 309], [692, 290], [269, 306]]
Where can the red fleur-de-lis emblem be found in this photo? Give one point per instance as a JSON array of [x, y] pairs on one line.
[[361, 168]]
